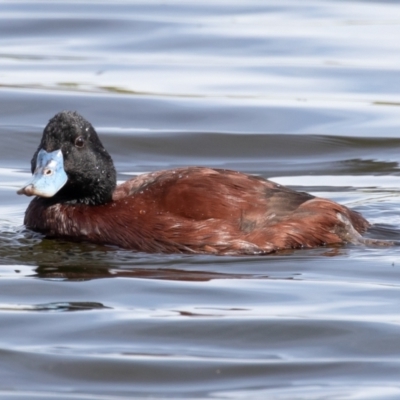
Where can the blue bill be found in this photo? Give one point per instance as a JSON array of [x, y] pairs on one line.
[[49, 176]]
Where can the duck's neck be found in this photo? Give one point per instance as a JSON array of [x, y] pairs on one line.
[[97, 198], [96, 191]]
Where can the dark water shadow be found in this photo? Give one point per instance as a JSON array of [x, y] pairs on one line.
[[55, 307], [76, 273]]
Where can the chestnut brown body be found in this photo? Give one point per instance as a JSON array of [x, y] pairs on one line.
[[200, 210]]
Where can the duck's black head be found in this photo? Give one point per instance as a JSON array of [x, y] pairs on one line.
[[83, 172]]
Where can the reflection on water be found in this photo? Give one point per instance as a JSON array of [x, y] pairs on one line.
[[67, 306], [307, 94]]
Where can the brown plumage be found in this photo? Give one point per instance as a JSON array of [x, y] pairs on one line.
[[186, 210], [201, 210]]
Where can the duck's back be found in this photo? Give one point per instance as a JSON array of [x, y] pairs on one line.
[[222, 211]]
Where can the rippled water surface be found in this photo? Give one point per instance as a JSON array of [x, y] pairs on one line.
[[306, 93]]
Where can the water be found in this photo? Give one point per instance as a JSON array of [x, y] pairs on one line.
[[305, 93]]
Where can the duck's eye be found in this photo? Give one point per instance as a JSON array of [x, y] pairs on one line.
[[79, 141]]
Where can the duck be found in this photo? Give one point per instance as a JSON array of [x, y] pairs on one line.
[[195, 210]]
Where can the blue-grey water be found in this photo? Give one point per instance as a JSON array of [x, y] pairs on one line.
[[306, 93]]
